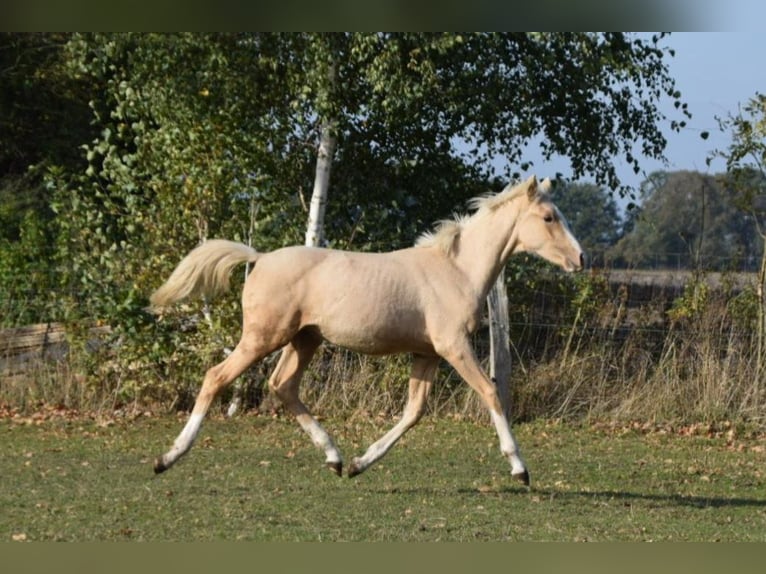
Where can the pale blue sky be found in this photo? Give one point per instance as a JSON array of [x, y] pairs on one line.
[[716, 72], [730, 15]]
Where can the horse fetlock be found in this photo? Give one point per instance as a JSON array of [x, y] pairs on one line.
[[356, 467], [159, 465], [523, 477], [335, 466], [519, 469]]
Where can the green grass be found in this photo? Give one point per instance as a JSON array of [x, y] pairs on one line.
[[259, 478]]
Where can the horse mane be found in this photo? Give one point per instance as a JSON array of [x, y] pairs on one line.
[[447, 232], [445, 235]]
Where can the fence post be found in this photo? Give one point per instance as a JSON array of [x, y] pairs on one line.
[[499, 342]]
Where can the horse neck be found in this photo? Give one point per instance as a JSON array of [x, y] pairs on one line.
[[487, 240]]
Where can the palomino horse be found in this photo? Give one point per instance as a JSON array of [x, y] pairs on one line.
[[425, 300]]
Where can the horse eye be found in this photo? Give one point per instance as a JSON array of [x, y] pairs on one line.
[[548, 218]]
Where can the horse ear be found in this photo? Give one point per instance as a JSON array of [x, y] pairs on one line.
[[545, 185], [531, 184]]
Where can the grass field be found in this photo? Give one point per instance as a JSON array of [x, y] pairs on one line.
[[259, 478]]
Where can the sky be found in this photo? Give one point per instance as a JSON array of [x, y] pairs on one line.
[[716, 73]]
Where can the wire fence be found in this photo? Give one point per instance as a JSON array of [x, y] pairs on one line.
[[560, 356]]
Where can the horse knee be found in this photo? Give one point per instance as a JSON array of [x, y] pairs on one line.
[[284, 389], [213, 382]]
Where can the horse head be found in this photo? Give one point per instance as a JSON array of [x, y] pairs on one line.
[[542, 229]]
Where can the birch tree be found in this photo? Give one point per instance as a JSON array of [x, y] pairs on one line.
[[325, 149]]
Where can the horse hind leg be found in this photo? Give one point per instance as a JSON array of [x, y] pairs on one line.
[[285, 382], [216, 379], [421, 378]]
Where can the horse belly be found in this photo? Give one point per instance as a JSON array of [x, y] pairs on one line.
[[377, 334], [374, 345]]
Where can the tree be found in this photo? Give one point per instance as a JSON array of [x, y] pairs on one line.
[[42, 110], [188, 131], [326, 94], [747, 152], [592, 214], [197, 121], [43, 119], [178, 157], [41, 115], [690, 220], [746, 172]]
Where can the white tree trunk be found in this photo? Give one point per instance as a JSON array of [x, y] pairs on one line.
[[315, 227], [499, 342]]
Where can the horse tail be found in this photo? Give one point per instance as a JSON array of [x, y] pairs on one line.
[[204, 271]]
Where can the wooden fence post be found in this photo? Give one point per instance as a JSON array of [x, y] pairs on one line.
[[499, 341]]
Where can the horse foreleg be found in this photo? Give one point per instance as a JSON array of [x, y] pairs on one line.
[[216, 380], [285, 382], [463, 359], [421, 377]]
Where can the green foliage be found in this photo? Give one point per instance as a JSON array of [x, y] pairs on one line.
[[174, 138], [190, 129], [177, 158], [692, 303], [591, 292], [26, 280], [746, 164], [24, 276], [747, 151], [744, 309], [43, 118], [43, 112], [690, 220], [547, 309]]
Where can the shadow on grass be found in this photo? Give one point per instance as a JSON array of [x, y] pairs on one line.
[[606, 495], [627, 497]]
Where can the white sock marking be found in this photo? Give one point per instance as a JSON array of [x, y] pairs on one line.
[[507, 443]]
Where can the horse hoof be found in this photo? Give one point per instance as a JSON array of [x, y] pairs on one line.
[[354, 469], [523, 477], [159, 466], [336, 467]]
